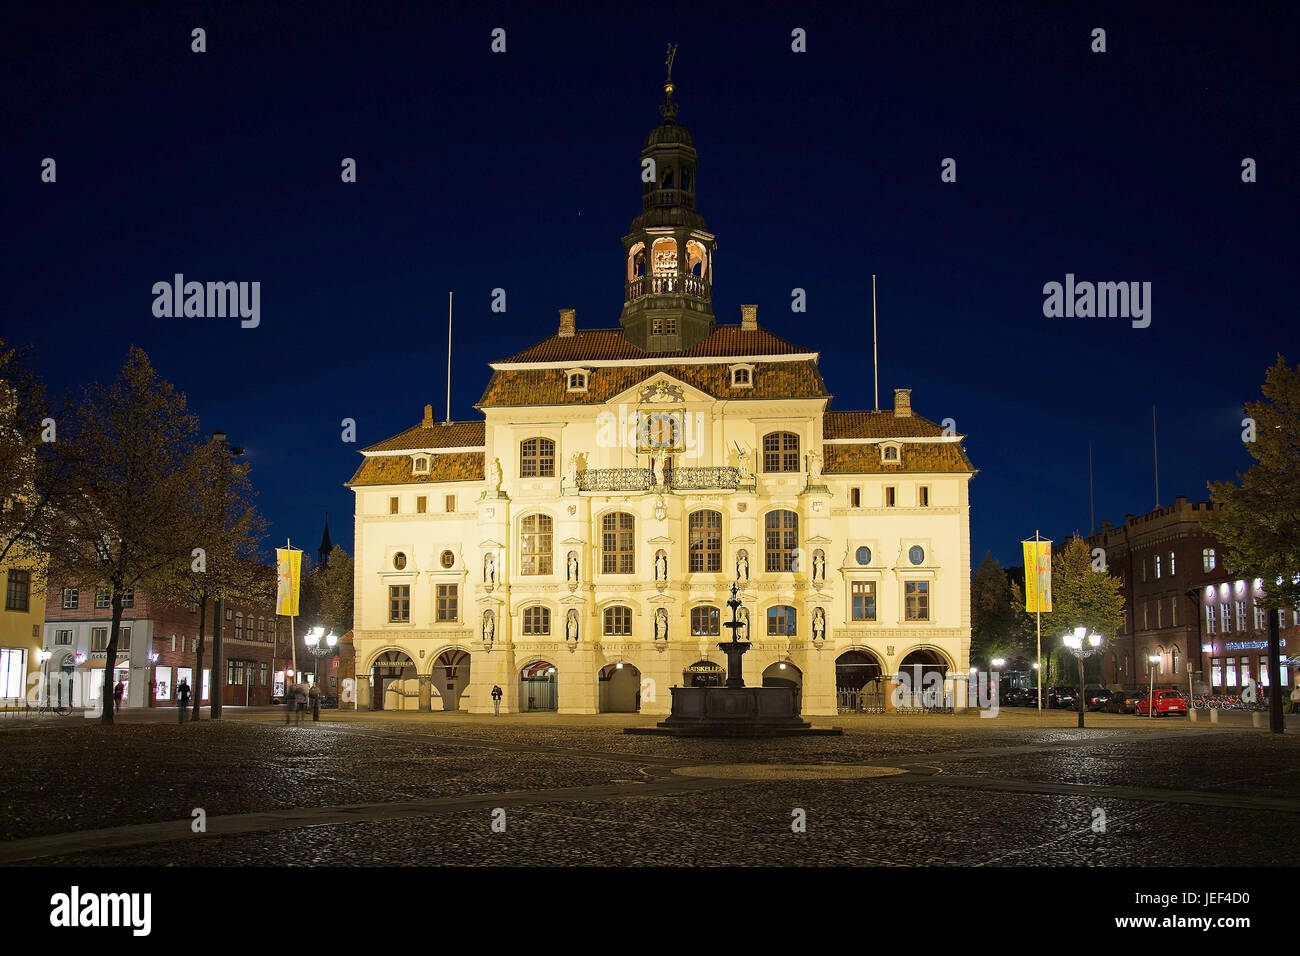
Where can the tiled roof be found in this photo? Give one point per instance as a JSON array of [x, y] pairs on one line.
[[437, 435], [549, 387], [882, 424], [396, 469], [594, 345], [914, 457]]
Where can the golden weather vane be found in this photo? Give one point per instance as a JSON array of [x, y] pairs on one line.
[[672, 52]]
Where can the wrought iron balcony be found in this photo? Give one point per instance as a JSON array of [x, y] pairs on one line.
[[615, 479], [701, 479]]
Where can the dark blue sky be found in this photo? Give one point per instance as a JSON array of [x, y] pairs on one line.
[[520, 171]]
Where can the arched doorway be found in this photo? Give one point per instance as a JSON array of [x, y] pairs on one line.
[[924, 669], [451, 676], [704, 674], [538, 686], [785, 674], [859, 683], [619, 689], [393, 682]]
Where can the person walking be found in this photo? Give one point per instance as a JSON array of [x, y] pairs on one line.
[[314, 694], [118, 691], [496, 700], [183, 698], [300, 700], [290, 702]]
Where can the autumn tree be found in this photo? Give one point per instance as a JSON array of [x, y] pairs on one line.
[[995, 630], [1257, 517], [132, 448], [1082, 596]]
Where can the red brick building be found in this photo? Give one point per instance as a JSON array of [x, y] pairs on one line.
[[158, 644]]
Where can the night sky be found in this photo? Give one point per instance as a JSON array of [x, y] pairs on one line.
[[521, 170]]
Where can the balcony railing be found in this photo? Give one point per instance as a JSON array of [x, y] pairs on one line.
[[697, 479], [668, 285], [614, 479]]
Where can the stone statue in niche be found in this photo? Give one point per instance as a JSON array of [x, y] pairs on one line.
[[742, 565], [490, 569], [819, 565], [814, 468], [571, 568], [489, 627], [746, 476], [743, 631], [571, 627], [574, 463], [661, 565], [661, 625], [494, 475], [819, 625]]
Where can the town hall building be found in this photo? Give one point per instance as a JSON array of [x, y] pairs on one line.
[[576, 545]]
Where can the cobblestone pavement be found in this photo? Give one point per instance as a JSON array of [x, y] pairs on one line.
[[374, 789]]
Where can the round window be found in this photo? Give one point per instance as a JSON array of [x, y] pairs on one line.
[[447, 559], [916, 555], [864, 555], [399, 560]]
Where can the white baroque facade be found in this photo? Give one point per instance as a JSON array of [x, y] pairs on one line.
[[575, 547]]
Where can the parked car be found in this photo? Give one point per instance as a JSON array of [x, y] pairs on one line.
[[1028, 697], [1097, 697], [1124, 702], [1063, 698], [1166, 702]]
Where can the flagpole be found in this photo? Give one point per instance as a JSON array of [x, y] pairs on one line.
[[1038, 615], [293, 639], [875, 360], [448, 358]]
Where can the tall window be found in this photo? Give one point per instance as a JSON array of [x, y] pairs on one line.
[[537, 458], [537, 620], [917, 595], [13, 671], [705, 622], [447, 606], [399, 602], [781, 451], [781, 621], [864, 600], [71, 598], [535, 545], [1172, 567], [1173, 659], [1225, 621], [1209, 619], [855, 497], [1157, 560], [1207, 559], [18, 591], [705, 540], [618, 621], [1241, 615], [617, 552], [239, 627], [781, 539]]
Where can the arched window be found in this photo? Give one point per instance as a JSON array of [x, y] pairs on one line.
[[535, 545], [618, 621], [664, 256], [781, 451], [705, 621], [697, 259], [782, 540], [537, 458], [618, 550], [636, 261], [668, 178], [705, 541], [537, 620], [781, 621], [686, 177], [421, 465], [1207, 559]]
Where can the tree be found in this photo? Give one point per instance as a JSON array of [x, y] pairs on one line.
[[1080, 597], [126, 519], [326, 597], [1257, 519], [994, 628], [227, 565]]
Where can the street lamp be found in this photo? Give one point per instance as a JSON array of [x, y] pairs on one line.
[[320, 644], [995, 679], [1083, 644], [1152, 661]]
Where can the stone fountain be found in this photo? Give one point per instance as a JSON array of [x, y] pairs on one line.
[[734, 710]]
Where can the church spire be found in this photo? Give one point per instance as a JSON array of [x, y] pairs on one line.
[[325, 546]]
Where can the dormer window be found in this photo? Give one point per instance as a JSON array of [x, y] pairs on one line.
[[742, 376], [889, 453], [420, 464], [577, 379]]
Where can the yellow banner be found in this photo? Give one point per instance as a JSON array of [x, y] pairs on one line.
[[288, 569], [1038, 576]]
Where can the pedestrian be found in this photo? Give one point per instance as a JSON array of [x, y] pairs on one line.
[[1295, 699], [118, 691], [183, 698], [315, 701], [496, 700], [300, 698], [290, 703]]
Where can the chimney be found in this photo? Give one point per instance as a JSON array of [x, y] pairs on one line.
[[568, 322], [749, 316], [902, 403], [428, 416]]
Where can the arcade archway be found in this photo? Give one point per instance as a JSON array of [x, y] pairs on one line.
[[859, 683], [619, 689], [538, 687], [451, 676], [785, 674], [394, 683]]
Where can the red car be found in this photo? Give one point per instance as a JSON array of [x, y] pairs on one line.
[[1166, 701]]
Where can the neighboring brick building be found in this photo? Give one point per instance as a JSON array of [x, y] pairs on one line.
[[1233, 645], [255, 646], [1159, 560]]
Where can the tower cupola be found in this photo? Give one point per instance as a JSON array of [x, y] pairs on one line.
[[668, 292]]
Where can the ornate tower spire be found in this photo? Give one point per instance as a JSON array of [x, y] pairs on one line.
[[668, 301]]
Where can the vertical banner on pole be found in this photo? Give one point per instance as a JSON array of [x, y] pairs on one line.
[[288, 565], [1038, 576]]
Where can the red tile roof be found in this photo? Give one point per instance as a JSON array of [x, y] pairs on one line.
[[396, 469], [594, 345], [924, 457], [881, 424], [437, 435]]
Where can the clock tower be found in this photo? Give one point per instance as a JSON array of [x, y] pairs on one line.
[[668, 291]]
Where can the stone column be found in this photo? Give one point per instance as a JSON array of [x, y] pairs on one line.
[[425, 696]]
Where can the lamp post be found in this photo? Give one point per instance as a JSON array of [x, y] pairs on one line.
[[320, 644], [1083, 644], [1152, 661]]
